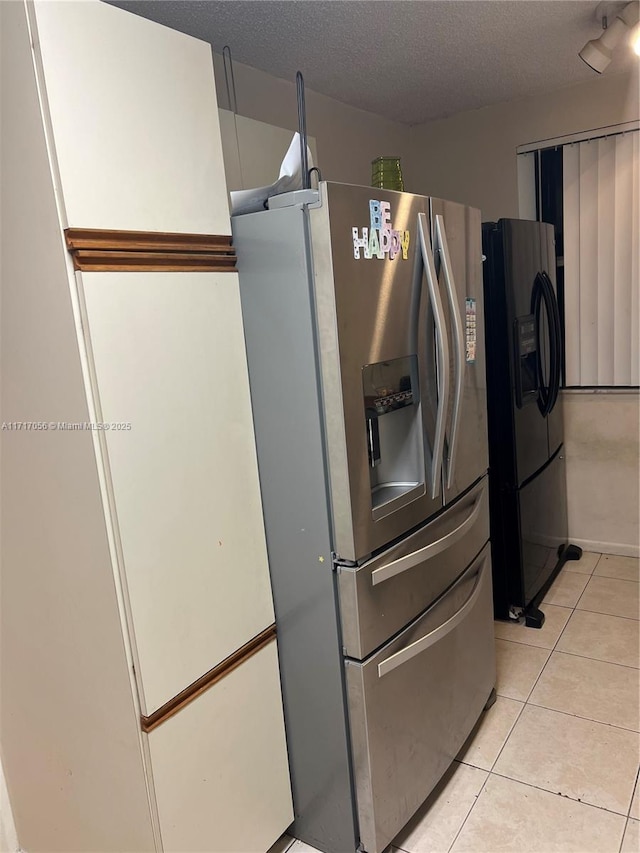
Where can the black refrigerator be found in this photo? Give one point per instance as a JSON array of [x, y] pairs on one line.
[[524, 350]]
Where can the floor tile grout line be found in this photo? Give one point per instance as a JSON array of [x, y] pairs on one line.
[[573, 611], [635, 787], [558, 794], [576, 606], [624, 832], [600, 613], [539, 674], [568, 714], [589, 719], [612, 578], [596, 660], [567, 568], [530, 645], [525, 700], [473, 805], [515, 723]]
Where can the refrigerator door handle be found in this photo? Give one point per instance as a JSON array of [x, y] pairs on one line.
[[538, 299], [433, 637], [459, 349], [554, 320], [403, 564], [442, 346]]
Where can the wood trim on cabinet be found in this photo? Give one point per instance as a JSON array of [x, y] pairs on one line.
[[208, 680], [98, 250]]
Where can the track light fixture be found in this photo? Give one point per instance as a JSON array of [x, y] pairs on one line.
[[616, 25]]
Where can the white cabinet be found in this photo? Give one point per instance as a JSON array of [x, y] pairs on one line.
[[141, 705], [134, 121], [171, 382], [231, 782]]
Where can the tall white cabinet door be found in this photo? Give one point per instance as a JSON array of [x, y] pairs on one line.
[[169, 358], [220, 767], [135, 122]]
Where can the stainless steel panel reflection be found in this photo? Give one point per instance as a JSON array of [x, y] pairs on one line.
[[371, 612], [368, 311], [464, 238], [408, 725]]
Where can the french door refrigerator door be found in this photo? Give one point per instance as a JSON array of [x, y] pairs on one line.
[[522, 258], [456, 234], [555, 425], [381, 411], [413, 704]]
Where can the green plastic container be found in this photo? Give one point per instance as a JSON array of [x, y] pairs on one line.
[[386, 173]]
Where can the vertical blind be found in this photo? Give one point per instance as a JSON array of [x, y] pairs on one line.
[[601, 246]]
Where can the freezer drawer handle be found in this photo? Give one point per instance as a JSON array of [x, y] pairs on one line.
[[429, 551], [438, 634], [459, 347], [442, 344]]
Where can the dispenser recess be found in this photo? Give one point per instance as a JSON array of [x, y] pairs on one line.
[[394, 435]]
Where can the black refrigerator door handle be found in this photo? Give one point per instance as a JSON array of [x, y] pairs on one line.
[[554, 319], [554, 366], [537, 298]]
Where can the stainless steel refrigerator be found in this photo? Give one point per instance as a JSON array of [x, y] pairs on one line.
[[363, 313]]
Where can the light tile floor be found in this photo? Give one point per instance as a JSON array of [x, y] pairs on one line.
[[552, 767]]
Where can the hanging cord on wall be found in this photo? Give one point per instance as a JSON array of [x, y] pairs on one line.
[[232, 101], [229, 79], [302, 130]]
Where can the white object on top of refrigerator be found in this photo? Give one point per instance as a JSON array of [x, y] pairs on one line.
[[364, 330]]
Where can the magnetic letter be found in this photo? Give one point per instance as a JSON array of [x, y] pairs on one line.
[[385, 214], [395, 244], [359, 243], [374, 244], [405, 245], [374, 212]]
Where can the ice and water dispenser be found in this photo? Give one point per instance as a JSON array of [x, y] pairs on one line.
[[394, 433]]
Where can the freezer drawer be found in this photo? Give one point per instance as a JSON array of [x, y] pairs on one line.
[[413, 704], [380, 597]]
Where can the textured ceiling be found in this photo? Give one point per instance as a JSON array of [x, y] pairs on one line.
[[409, 61]]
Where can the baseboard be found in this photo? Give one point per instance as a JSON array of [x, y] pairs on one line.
[[621, 549]]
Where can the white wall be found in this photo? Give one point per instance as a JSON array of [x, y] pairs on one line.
[[468, 157], [601, 449], [347, 139], [471, 157]]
